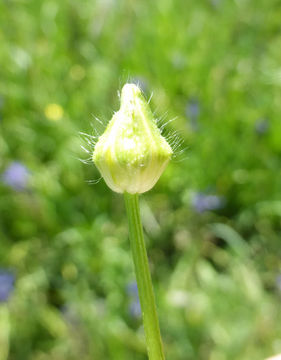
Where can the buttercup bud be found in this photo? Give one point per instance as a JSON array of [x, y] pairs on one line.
[[132, 154]]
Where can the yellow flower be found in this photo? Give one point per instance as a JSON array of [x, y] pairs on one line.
[[53, 112]]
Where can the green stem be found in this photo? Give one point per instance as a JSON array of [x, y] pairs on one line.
[[146, 295]]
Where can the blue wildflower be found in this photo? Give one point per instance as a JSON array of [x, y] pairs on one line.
[[132, 289], [202, 202], [261, 126], [135, 308], [192, 111], [7, 280], [134, 305], [16, 176]]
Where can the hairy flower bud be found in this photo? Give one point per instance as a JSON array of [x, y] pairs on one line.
[[132, 154]]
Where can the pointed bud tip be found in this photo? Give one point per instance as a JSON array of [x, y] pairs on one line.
[[130, 90]]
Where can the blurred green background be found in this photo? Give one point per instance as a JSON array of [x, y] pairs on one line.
[[212, 223]]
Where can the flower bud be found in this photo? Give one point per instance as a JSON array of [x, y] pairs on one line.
[[132, 154]]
